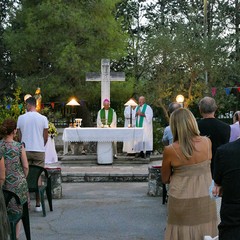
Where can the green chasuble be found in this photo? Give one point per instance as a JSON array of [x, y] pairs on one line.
[[140, 122], [110, 116]]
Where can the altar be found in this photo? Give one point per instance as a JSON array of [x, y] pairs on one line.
[[104, 138]]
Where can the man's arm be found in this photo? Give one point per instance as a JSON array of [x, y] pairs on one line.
[[45, 135], [217, 176], [19, 135]]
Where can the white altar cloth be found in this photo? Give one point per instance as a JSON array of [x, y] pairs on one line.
[[104, 137], [50, 151]]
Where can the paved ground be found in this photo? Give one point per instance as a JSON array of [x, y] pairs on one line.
[[101, 211]]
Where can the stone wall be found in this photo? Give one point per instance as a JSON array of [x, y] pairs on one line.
[[154, 181], [58, 141]]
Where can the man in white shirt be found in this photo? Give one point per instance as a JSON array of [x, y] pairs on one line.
[[33, 132]]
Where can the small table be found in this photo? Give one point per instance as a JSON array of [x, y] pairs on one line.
[[104, 138]]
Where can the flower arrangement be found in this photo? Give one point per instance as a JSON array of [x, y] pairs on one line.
[[52, 130]]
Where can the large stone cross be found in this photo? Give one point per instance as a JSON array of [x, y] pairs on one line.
[[105, 77]]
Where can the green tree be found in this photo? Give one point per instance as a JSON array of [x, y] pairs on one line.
[[6, 76], [53, 46], [11, 107], [135, 64], [187, 56]]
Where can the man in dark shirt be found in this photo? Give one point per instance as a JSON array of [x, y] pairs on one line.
[[227, 176], [216, 130]]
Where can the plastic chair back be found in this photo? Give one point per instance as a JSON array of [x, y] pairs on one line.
[[33, 176], [32, 179], [15, 218]]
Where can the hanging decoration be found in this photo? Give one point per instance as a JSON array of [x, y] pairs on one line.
[[227, 90], [52, 104], [214, 91]]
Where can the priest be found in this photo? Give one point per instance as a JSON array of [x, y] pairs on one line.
[[107, 117], [144, 116]]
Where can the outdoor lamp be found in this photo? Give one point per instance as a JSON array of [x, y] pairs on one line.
[[180, 99], [131, 102], [73, 103]]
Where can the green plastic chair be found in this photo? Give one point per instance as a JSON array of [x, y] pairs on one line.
[[14, 218], [32, 179]]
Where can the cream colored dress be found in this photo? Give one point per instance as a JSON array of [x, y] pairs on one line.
[[191, 211]]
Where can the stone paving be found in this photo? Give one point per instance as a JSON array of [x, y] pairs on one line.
[[101, 211], [101, 202]]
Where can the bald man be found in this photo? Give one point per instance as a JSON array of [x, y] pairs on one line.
[[216, 130], [107, 117], [144, 116]]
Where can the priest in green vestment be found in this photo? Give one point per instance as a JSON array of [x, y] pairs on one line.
[[107, 117], [144, 116]]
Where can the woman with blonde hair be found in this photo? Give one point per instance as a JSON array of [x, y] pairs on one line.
[[186, 167]]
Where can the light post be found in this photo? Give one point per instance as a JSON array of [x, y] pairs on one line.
[[73, 103], [132, 104], [180, 99]]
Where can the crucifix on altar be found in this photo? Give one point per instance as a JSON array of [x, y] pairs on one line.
[[105, 77]]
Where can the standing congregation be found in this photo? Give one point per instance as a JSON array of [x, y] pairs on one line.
[[199, 155]]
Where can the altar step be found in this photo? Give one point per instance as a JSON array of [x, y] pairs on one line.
[[84, 168], [92, 160]]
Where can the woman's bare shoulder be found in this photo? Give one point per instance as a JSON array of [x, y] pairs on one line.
[[169, 148], [170, 151]]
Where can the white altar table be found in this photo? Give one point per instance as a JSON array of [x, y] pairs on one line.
[[104, 138]]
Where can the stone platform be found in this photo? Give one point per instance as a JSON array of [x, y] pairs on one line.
[[84, 168], [91, 160]]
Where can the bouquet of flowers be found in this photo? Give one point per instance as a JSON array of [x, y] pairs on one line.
[[52, 130]]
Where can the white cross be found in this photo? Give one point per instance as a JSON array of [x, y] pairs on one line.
[[105, 77]]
